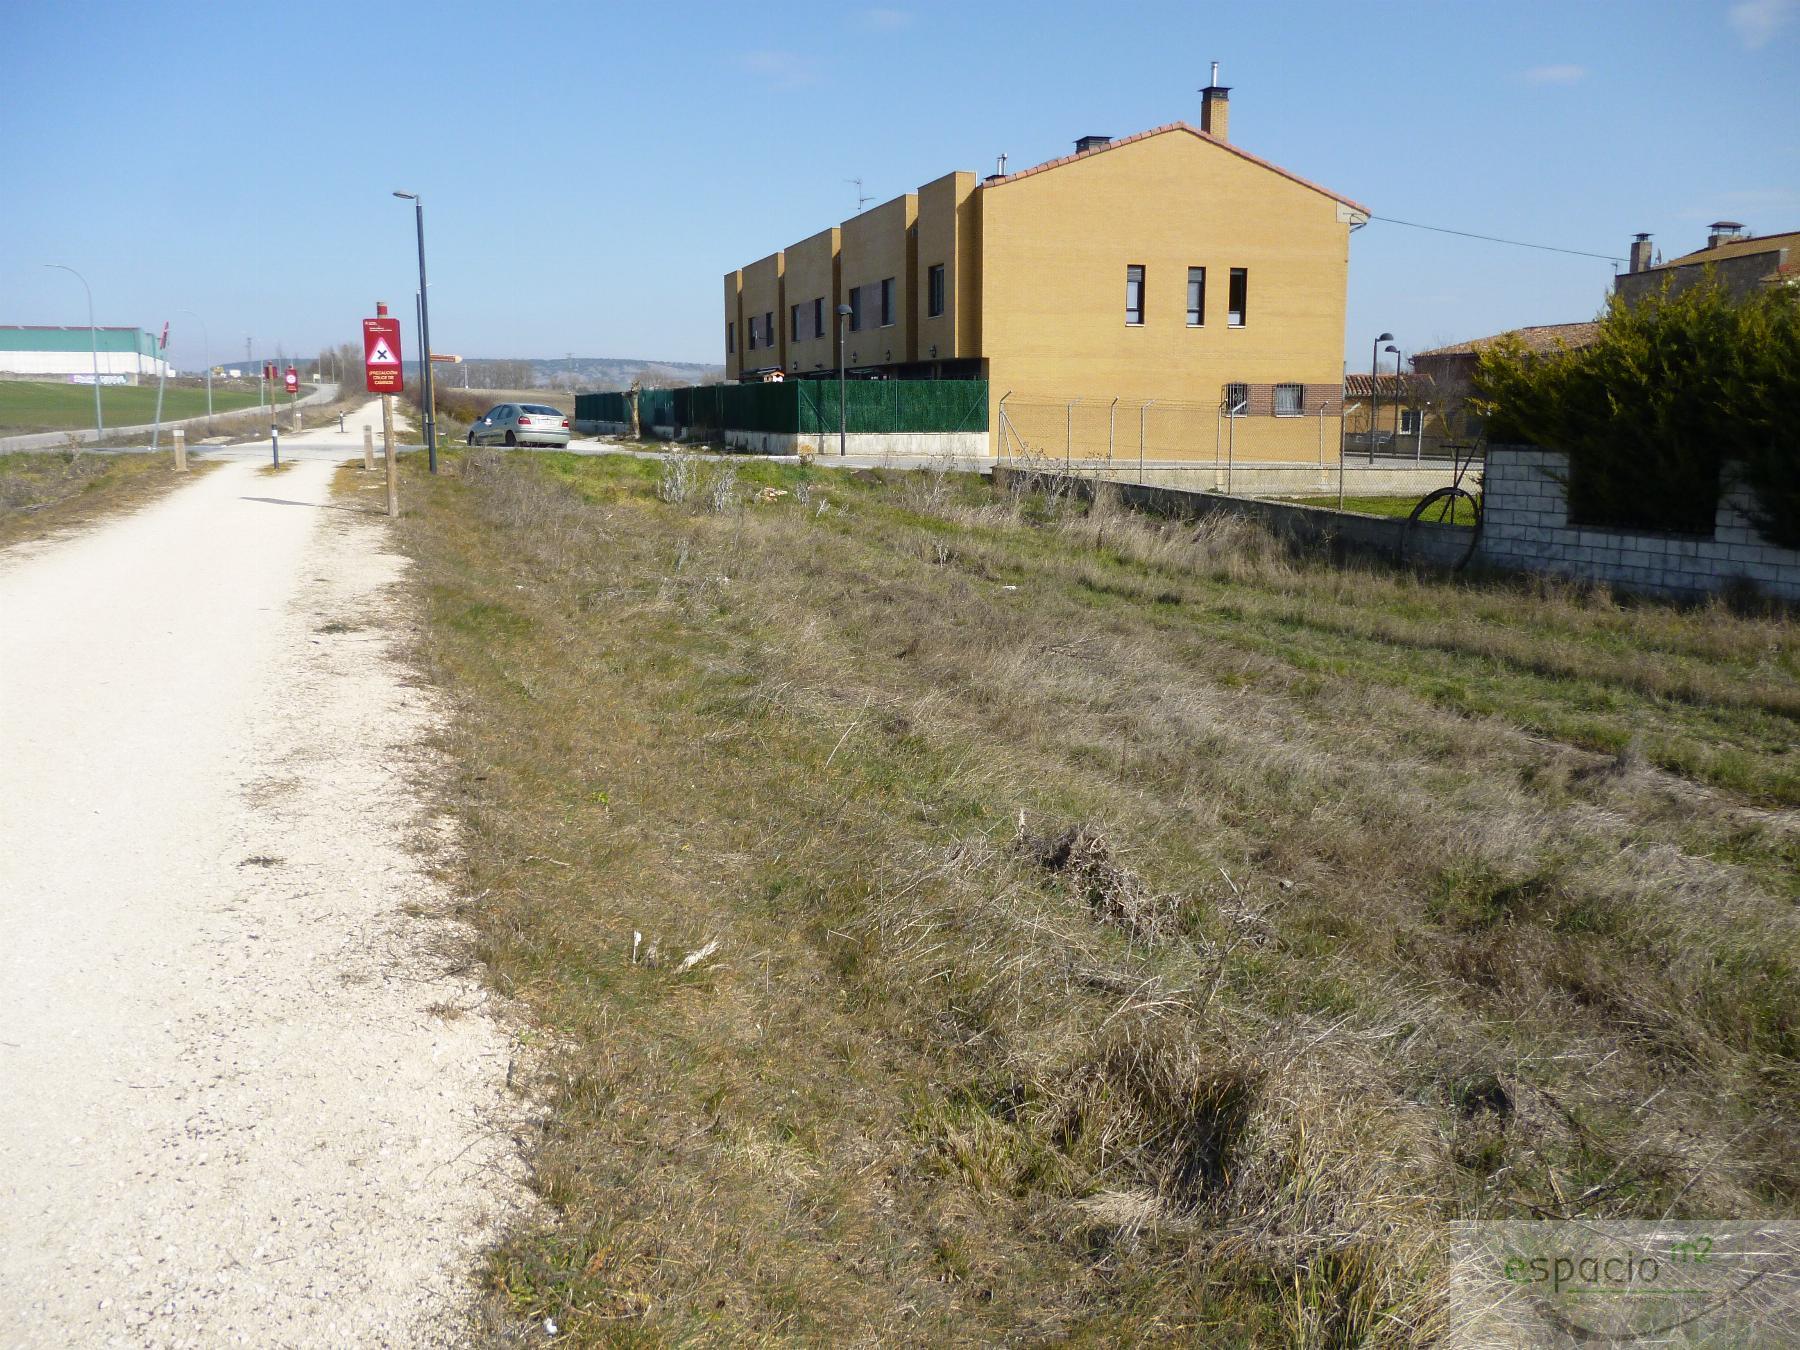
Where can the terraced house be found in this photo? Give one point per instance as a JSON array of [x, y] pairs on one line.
[[1167, 285]]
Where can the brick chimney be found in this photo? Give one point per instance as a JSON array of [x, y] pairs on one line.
[[1640, 253], [1215, 107]]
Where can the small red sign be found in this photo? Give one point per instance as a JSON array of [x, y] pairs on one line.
[[381, 355], [293, 380]]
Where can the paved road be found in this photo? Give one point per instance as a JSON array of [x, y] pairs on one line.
[[239, 1102]]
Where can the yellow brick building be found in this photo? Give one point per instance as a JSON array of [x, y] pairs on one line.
[[1166, 293]]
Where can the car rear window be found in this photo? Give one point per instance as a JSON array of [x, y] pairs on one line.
[[540, 408]]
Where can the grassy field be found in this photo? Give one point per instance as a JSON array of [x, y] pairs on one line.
[[44, 492], [1386, 506], [26, 405], [949, 919]]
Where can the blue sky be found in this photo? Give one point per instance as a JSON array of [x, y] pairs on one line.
[[589, 170]]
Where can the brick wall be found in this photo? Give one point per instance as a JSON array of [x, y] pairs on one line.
[[1526, 526]]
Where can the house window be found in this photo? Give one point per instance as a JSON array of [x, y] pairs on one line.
[[793, 323], [1237, 399], [856, 309], [769, 329], [1134, 294], [1196, 297], [934, 291], [750, 334], [1237, 304], [819, 317], [730, 338], [887, 302], [1409, 421], [1289, 399]]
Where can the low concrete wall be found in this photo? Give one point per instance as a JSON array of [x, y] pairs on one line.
[[1526, 527], [869, 444], [1313, 526]]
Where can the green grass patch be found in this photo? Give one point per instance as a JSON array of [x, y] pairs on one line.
[[29, 405]]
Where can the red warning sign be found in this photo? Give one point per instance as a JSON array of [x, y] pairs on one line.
[[381, 355], [293, 380]]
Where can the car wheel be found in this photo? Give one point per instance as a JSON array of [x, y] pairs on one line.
[[512, 441], [471, 438]]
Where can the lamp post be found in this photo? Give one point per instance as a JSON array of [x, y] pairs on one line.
[[93, 345], [1399, 402], [843, 313], [206, 356], [1375, 391], [424, 335]]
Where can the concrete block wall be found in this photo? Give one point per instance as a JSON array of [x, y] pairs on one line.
[[1526, 527]]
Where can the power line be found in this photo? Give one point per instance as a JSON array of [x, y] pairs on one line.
[[1495, 239]]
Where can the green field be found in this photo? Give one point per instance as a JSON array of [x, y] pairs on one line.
[[27, 405], [1385, 506]]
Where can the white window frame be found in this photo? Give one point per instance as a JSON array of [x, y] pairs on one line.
[[1143, 284], [1239, 317], [1192, 310]]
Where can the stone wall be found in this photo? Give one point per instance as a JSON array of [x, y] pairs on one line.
[[1526, 527]]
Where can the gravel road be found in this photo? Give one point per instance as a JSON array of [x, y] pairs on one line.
[[250, 1092]]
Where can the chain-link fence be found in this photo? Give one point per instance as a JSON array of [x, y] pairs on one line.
[[1261, 440]]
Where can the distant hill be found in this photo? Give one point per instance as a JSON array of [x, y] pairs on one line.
[[575, 372]]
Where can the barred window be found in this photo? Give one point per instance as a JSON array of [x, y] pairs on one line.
[[1289, 399], [1237, 399]]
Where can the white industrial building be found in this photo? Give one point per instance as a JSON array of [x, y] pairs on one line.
[[42, 352]]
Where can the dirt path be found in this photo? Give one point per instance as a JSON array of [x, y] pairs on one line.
[[248, 1092]]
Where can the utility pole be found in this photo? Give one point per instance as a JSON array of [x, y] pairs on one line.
[[843, 313]]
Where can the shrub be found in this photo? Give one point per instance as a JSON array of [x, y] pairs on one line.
[[1677, 395]]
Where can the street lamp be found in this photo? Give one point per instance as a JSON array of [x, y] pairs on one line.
[[843, 313], [424, 335], [93, 345], [1375, 391], [206, 355]]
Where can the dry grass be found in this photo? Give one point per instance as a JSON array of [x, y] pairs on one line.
[[45, 492], [1123, 931]]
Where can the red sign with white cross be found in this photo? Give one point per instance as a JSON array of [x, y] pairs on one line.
[[293, 380], [381, 355]]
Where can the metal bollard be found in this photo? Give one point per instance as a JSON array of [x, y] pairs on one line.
[[275, 444], [340, 422]]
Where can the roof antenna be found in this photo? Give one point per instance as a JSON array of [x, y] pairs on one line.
[[861, 200], [1215, 74], [1000, 166]]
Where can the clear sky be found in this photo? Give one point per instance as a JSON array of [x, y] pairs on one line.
[[590, 170]]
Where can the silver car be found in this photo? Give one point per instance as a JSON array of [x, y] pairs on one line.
[[520, 424]]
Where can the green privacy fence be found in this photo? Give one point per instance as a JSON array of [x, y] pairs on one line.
[[804, 407]]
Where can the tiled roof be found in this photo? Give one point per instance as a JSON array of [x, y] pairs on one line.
[[1164, 130], [1736, 248], [1543, 337], [1359, 386]]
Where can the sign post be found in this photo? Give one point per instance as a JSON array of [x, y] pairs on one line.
[[162, 378], [384, 375]]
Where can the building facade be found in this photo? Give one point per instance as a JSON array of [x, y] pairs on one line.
[[1165, 287], [1741, 262], [39, 352]]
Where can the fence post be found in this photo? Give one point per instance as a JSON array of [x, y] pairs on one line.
[[1111, 418], [368, 446], [1143, 412], [1230, 453], [393, 464], [1321, 442], [180, 450], [1069, 441]]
